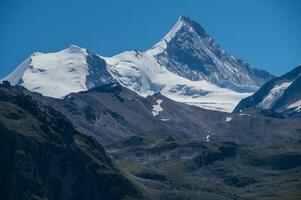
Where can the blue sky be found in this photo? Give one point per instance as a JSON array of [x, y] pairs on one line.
[[265, 33]]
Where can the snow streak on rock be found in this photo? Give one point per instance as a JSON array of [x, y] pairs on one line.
[[157, 108]]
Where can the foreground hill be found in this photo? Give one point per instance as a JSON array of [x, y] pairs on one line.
[[44, 157]]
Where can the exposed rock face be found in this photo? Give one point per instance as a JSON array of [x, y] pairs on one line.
[[190, 52]]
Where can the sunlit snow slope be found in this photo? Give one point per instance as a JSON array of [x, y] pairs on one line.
[[59, 74]]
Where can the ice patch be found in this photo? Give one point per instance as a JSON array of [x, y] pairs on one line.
[[274, 94], [243, 114], [208, 138], [157, 108], [296, 105], [228, 119]]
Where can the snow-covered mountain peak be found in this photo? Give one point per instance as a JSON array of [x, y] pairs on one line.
[[57, 74], [191, 25], [36, 54], [75, 49], [184, 24], [187, 50]]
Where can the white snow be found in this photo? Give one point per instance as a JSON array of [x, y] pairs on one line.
[[296, 106], [140, 72], [53, 74], [15, 76], [244, 114], [208, 138], [164, 119], [228, 119], [157, 108], [274, 95], [162, 44]]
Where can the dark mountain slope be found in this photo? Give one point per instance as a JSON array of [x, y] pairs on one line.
[[44, 157], [170, 158], [111, 112]]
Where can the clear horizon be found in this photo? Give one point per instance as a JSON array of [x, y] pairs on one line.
[[265, 34]]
